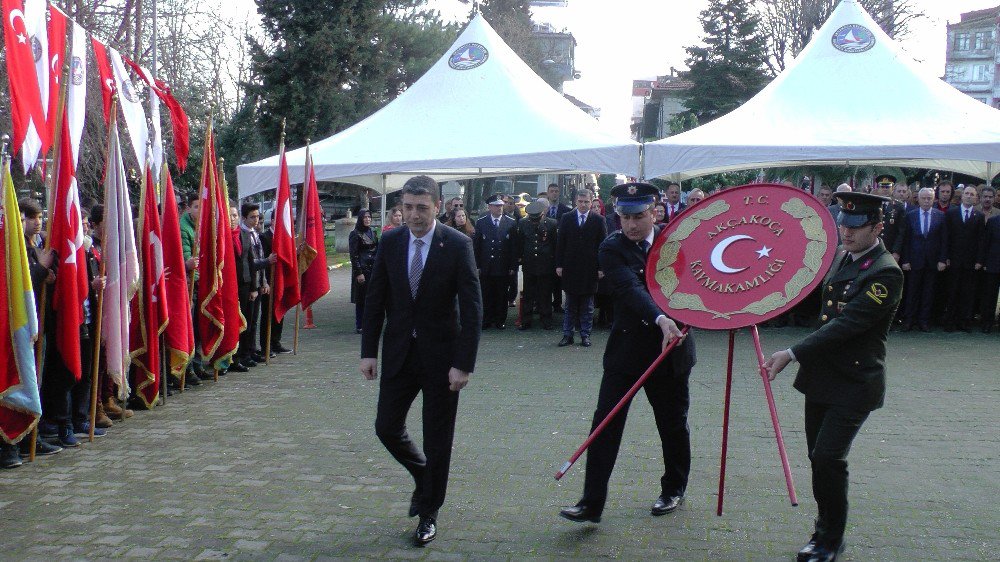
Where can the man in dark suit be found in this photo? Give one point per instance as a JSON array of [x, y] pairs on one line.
[[673, 204], [639, 333], [494, 248], [251, 263], [580, 235], [965, 226], [535, 249], [425, 288], [989, 253], [923, 252], [842, 363]]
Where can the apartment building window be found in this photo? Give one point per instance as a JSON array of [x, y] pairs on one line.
[[979, 73], [961, 41], [983, 40]]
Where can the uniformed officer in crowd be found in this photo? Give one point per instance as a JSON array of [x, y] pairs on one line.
[[892, 211], [535, 249], [641, 330], [842, 363], [494, 249]]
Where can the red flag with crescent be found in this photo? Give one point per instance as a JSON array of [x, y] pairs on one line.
[[26, 111]]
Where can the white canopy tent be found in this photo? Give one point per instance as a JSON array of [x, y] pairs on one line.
[[478, 112], [852, 97]]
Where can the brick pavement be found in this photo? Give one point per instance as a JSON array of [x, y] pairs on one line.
[[282, 464]]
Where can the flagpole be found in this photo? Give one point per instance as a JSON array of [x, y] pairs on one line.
[[96, 357], [52, 173], [304, 197], [270, 299]]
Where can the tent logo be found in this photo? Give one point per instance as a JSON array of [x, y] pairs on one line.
[[853, 38], [468, 56]]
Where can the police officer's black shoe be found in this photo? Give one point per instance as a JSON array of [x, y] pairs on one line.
[[567, 340], [824, 554], [426, 531], [585, 341], [580, 514], [666, 504], [807, 550]]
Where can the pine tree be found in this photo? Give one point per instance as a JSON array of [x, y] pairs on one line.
[[729, 69], [331, 63]]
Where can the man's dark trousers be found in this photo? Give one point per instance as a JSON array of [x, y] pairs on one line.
[[830, 430], [668, 395], [249, 308], [440, 406]]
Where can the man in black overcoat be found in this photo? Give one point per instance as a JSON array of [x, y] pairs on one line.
[[581, 232]]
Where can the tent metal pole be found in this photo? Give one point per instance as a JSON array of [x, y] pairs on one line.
[[642, 161], [383, 198], [989, 173]]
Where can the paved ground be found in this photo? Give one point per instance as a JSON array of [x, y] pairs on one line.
[[283, 464]]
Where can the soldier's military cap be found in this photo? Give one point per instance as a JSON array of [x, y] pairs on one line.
[[535, 208], [859, 209], [632, 198], [495, 199], [885, 180]]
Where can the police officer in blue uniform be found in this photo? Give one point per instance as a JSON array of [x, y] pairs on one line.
[[639, 333], [494, 247], [842, 363]]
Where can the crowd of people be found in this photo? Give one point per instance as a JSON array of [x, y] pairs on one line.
[[952, 266], [66, 401]]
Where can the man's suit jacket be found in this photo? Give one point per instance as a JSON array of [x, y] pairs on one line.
[[446, 315], [843, 361], [576, 252], [989, 251], [919, 250], [964, 237], [561, 210], [250, 264], [635, 338], [666, 211], [494, 246]]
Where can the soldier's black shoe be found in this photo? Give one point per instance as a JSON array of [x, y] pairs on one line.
[[585, 341], [666, 504], [426, 531], [501, 326], [824, 554], [524, 327], [567, 340], [807, 551], [580, 514]]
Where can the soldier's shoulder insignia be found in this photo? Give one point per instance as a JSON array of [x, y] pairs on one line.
[[877, 292]]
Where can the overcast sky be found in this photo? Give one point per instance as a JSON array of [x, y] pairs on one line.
[[632, 39]]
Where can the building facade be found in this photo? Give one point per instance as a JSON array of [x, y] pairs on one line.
[[972, 58], [655, 103]]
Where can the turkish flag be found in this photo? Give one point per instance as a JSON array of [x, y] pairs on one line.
[[150, 302], [71, 285], [179, 336], [27, 113], [315, 277], [219, 318], [178, 119], [107, 76], [285, 283], [57, 56]]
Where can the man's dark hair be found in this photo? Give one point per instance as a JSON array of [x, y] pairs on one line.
[[97, 214], [191, 198], [553, 185], [29, 208], [673, 183], [248, 208], [583, 191], [421, 185], [987, 189]]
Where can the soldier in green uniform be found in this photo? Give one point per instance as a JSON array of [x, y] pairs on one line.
[[534, 250], [842, 363]]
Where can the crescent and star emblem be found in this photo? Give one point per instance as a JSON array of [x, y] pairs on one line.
[[14, 14], [717, 253], [286, 218]]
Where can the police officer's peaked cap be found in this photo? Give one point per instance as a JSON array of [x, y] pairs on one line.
[[632, 198], [495, 199], [859, 209]]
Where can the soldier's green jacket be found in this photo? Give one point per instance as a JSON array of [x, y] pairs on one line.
[[535, 246], [843, 362]]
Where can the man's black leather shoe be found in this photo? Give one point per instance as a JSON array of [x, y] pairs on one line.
[[238, 367], [580, 514], [248, 362], [823, 554], [585, 341], [807, 551], [278, 348], [567, 340], [524, 327], [426, 531], [666, 504]]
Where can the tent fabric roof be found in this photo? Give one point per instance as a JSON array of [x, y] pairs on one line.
[[850, 97], [479, 111]]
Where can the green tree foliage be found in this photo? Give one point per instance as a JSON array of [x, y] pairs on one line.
[[328, 65], [729, 68]]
